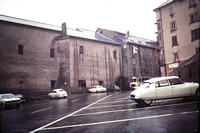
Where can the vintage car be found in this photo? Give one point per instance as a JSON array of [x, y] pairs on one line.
[[163, 88], [58, 93], [9, 99], [97, 88]]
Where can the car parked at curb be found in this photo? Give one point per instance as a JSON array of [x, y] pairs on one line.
[[58, 93], [163, 88], [9, 99], [98, 88]]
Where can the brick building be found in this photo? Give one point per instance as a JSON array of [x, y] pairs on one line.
[[178, 32]]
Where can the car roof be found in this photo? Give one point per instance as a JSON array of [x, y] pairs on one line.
[[7, 94], [57, 89], [160, 78]]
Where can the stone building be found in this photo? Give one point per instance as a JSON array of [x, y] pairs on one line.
[[139, 55], [37, 57], [178, 32]]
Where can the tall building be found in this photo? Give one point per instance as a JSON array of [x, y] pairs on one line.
[[178, 28]]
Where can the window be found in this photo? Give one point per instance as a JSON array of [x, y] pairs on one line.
[[175, 81], [20, 49], [162, 83], [195, 34], [173, 25], [53, 84], [171, 11], [176, 57], [81, 83], [197, 50], [115, 54], [101, 83], [192, 3], [174, 41], [194, 17], [52, 51], [81, 50]]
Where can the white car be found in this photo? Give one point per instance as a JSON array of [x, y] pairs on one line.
[[163, 88], [9, 99], [58, 93], [97, 88]]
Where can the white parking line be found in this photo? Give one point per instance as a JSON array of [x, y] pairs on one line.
[[114, 111], [41, 110], [110, 106], [41, 128], [115, 121], [76, 100]]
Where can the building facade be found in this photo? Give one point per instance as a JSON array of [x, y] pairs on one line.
[[178, 28], [36, 57]]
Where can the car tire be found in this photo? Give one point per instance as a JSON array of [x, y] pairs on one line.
[[138, 101], [18, 105], [147, 102]]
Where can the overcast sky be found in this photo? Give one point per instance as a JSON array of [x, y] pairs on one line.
[[135, 16]]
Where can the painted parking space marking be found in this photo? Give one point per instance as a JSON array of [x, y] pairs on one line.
[[41, 110], [110, 106], [135, 109], [76, 100], [122, 120], [62, 118]]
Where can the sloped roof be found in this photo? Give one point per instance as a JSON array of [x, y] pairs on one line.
[[121, 37], [164, 4], [82, 33]]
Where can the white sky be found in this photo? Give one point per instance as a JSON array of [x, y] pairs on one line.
[[135, 16]]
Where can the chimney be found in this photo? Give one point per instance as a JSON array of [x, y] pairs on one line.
[[64, 30], [127, 32]]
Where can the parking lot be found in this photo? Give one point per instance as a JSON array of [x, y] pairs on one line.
[[108, 112]]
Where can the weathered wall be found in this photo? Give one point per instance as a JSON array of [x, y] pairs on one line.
[[32, 71], [95, 64]]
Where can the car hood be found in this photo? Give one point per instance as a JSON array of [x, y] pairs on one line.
[[139, 89]]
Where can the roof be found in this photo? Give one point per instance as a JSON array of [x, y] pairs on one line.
[[82, 33], [189, 61], [164, 4], [121, 37]]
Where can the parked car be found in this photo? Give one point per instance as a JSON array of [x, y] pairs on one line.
[[9, 99], [163, 88], [113, 88], [58, 93], [20, 96], [97, 88]]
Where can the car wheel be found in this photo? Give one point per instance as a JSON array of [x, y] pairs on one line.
[[138, 101], [18, 105], [197, 94], [147, 102]]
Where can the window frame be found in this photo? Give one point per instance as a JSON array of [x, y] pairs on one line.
[[171, 11], [52, 53], [195, 34], [192, 3], [81, 50], [173, 26], [115, 54], [174, 41], [176, 58], [194, 17], [20, 49]]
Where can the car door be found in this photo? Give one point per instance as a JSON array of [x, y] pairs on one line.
[[179, 88], [163, 89]]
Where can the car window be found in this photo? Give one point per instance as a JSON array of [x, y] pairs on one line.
[[7, 96], [163, 83], [175, 81], [54, 92], [145, 85]]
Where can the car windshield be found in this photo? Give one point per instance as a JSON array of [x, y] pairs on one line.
[[144, 85], [6, 96]]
